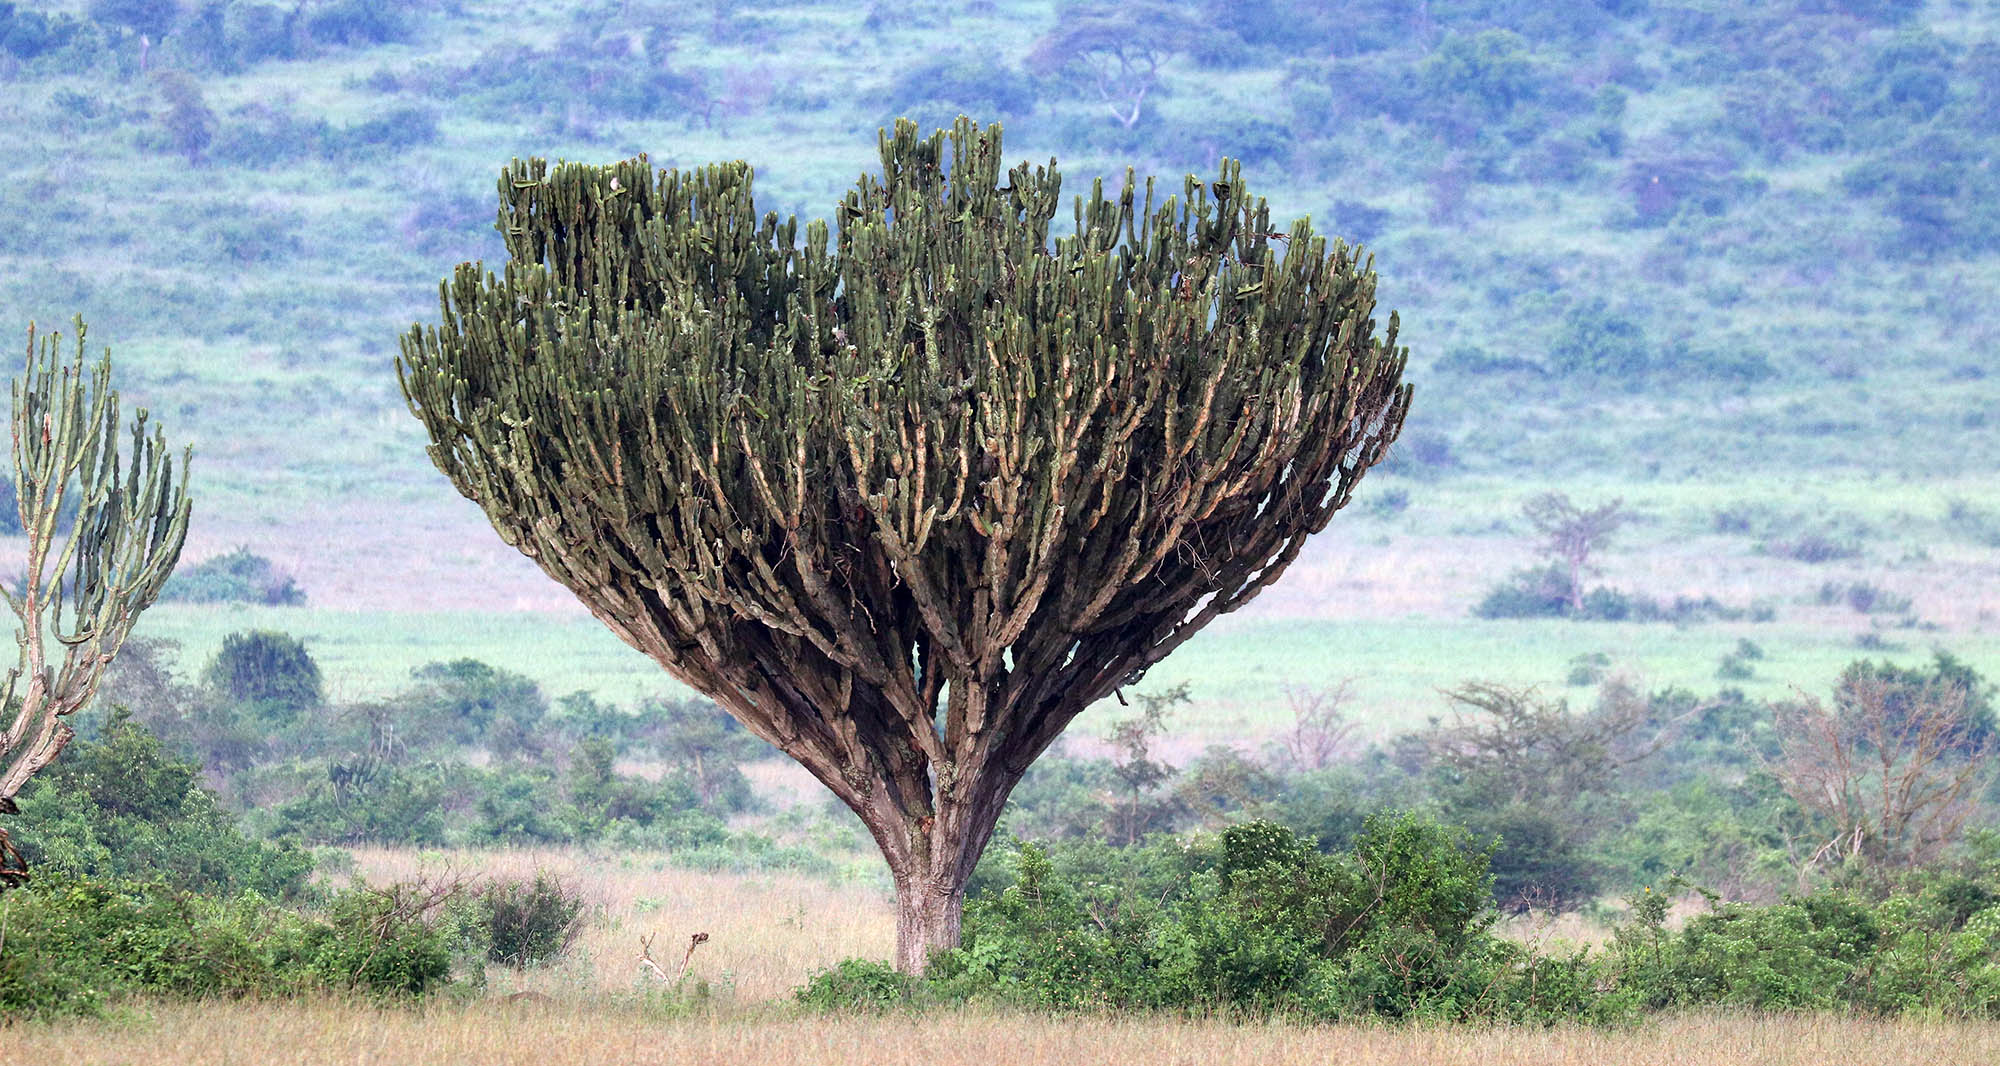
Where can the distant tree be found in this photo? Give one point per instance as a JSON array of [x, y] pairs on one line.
[[470, 702], [1474, 80], [700, 739], [906, 503], [1570, 534], [1136, 808], [271, 672], [1320, 727], [1522, 746], [148, 18], [1122, 46], [1541, 778], [188, 120], [1905, 689], [1596, 342], [1893, 772], [85, 589]]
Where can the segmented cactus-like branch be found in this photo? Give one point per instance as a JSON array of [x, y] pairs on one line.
[[87, 577], [907, 493]]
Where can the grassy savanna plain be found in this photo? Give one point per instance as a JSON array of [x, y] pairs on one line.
[[254, 306]]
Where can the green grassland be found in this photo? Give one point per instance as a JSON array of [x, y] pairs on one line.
[[1239, 672]]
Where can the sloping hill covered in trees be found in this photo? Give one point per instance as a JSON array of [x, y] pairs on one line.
[[1675, 242]]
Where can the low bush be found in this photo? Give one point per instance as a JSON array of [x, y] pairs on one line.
[[1812, 547], [1920, 952], [121, 806], [1543, 592], [389, 941], [1258, 921], [241, 576], [78, 945], [530, 922], [856, 986], [1864, 597], [1963, 518]]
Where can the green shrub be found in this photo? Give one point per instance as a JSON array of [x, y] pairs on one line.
[[1594, 342], [1538, 858], [1543, 592], [1536, 592], [241, 576], [384, 941], [27, 34], [75, 946], [1812, 547], [271, 673], [365, 802], [470, 702], [120, 806], [359, 22], [1932, 949], [855, 986], [530, 922], [1259, 920]]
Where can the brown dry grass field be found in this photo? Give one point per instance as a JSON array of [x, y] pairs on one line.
[[767, 932], [558, 1034]]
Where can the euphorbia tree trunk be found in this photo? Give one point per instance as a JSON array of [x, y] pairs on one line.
[[906, 505]]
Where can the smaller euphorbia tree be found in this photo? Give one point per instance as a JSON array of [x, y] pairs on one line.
[[103, 530]]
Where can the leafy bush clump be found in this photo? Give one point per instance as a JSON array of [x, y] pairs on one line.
[[1544, 592], [1812, 547], [1261, 921], [270, 673], [1864, 597], [530, 922], [1595, 342], [857, 986], [122, 806], [241, 576], [1922, 951], [75, 946]]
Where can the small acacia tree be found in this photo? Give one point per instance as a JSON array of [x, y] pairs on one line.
[[86, 581], [907, 502], [1570, 533]]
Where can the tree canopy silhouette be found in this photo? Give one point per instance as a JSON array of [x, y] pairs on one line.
[[908, 494]]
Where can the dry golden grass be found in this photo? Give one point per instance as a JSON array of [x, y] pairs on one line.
[[495, 1033], [766, 932]]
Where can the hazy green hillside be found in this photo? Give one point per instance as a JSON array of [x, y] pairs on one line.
[[1737, 264]]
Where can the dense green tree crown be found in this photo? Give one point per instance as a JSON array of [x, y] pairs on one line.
[[909, 498], [662, 385]]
